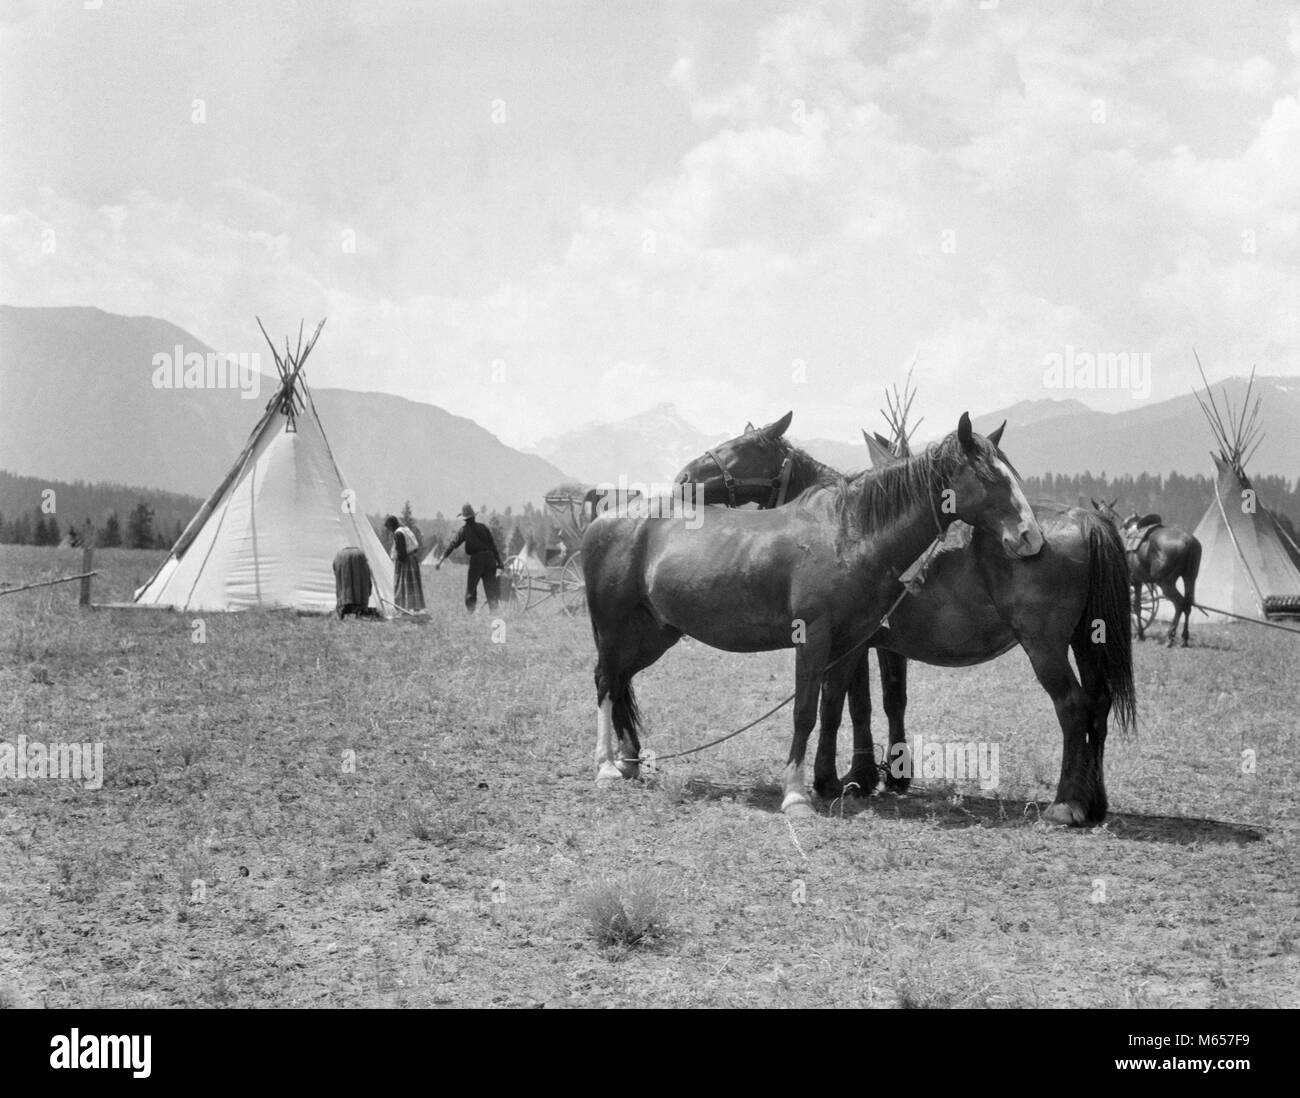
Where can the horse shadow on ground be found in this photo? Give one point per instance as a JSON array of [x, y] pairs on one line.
[[945, 808]]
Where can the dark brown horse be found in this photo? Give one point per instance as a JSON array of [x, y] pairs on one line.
[[815, 576], [1163, 557], [975, 606]]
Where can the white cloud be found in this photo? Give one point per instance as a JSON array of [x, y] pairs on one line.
[[1256, 192], [863, 182]]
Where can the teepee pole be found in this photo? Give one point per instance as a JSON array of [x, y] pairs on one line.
[[302, 359], [274, 353]]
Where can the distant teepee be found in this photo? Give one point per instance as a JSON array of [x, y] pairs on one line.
[[268, 534], [897, 412], [1245, 567]]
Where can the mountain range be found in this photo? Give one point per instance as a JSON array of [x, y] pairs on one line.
[[1157, 437], [1066, 436], [1042, 436], [650, 447], [78, 402]]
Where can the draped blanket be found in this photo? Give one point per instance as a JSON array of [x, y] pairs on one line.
[[352, 581]]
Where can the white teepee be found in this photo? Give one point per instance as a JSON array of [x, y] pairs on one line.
[[1245, 567], [268, 535]]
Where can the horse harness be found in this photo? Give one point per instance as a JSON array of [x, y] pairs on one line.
[[776, 487]]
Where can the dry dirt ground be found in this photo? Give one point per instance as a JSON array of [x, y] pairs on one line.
[[306, 812]]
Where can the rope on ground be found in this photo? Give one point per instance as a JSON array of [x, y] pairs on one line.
[[911, 580], [1242, 617]]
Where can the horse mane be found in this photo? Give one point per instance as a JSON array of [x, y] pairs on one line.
[[876, 499], [817, 473], [820, 473]]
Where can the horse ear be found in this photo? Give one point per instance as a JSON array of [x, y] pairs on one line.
[[964, 433], [777, 429], [995, 437], [1095, 505], [749, 428]]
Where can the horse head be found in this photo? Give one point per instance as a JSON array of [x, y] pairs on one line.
[[985, 491], [744, 469]]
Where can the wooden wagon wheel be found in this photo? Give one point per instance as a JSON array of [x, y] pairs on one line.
[[573, 588], [515, 581], [1147, 605]]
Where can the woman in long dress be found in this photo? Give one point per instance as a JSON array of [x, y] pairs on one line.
[[408, 591]]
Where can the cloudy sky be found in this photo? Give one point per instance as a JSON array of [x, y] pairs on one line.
[[541, 213]]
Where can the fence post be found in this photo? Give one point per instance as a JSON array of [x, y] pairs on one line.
[[87, 565]]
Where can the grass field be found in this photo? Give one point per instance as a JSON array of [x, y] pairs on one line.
[[307, 812]]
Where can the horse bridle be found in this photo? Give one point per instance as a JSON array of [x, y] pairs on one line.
[[776, 487]]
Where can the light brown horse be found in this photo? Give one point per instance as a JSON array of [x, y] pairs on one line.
[[1166, 555], [815, 576], [975, 606]]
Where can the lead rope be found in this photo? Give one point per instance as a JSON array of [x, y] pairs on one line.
[[1242, 617], [910, 579]]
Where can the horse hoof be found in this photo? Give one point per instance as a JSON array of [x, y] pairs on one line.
[[608, 774], [829, 790], [1065, 814], [796, 806], [628, 768]]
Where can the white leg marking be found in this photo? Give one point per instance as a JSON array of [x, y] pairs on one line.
[[794, 787], [606, 761]]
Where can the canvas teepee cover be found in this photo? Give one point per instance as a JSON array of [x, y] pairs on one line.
[[268, 535], [1245, 567]]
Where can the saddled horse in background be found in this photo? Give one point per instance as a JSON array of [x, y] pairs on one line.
[[815, 576], [976, 605], [1164, 556]]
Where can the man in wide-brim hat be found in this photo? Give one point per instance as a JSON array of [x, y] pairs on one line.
[[484, 559]]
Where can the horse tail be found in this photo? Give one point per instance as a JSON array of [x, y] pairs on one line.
[[617, 687], [1109, 602], [626, 714], [1191, 569]]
